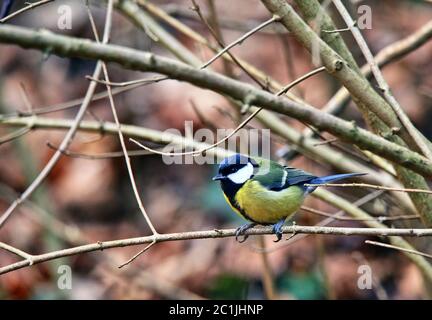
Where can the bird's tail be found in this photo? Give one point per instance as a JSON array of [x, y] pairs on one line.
[[327, 179], [7, 4], [335, 177]]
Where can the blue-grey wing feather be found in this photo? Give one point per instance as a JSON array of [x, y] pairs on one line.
[[297, 176]]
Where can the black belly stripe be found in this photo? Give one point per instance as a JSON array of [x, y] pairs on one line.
[[230, 190], [242, 212]]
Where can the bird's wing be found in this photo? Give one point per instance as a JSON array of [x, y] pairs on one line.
[[297, 176], [275, 177]]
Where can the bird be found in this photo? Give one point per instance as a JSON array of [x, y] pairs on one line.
[[264, 192], [6, 6]]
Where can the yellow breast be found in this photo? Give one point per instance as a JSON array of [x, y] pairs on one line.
[[266, 206]]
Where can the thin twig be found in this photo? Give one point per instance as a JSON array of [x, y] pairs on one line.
[[25, 98], [343, 218], [26, 8], [302, 78], [22, 131], [202, 118], [99, 156], [137, 254], [290, 62], [366, 185], [123, 87], [181, 13], [120, 134], [215, 35], [129, 83], [386, 245], [337, 30], [327, 141], [213, 18], [15, 135], [16, 251], [123, 145], [241, 39]]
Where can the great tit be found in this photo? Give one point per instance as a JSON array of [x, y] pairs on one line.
[[265, 192]]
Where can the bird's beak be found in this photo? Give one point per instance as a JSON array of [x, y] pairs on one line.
[[218, 177]]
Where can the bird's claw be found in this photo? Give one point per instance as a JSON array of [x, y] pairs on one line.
[[278, 237], [241, 230], [277, 230]]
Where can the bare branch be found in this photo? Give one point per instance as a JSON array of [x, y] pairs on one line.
[[131, 58], [212, 234], [419, 140]]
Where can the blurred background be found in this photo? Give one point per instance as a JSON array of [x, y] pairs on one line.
[[88, 200]]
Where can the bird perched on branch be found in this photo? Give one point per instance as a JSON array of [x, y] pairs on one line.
[[5, 8], [265, 192]]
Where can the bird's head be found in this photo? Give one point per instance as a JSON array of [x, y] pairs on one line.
[[236, 169]]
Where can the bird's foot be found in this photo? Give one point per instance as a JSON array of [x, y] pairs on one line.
[[277, 230], [241, 230]]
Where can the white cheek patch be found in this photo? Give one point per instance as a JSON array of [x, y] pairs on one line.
[[242, 175]]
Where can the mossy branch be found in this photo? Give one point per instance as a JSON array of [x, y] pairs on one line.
[[133, 59]]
